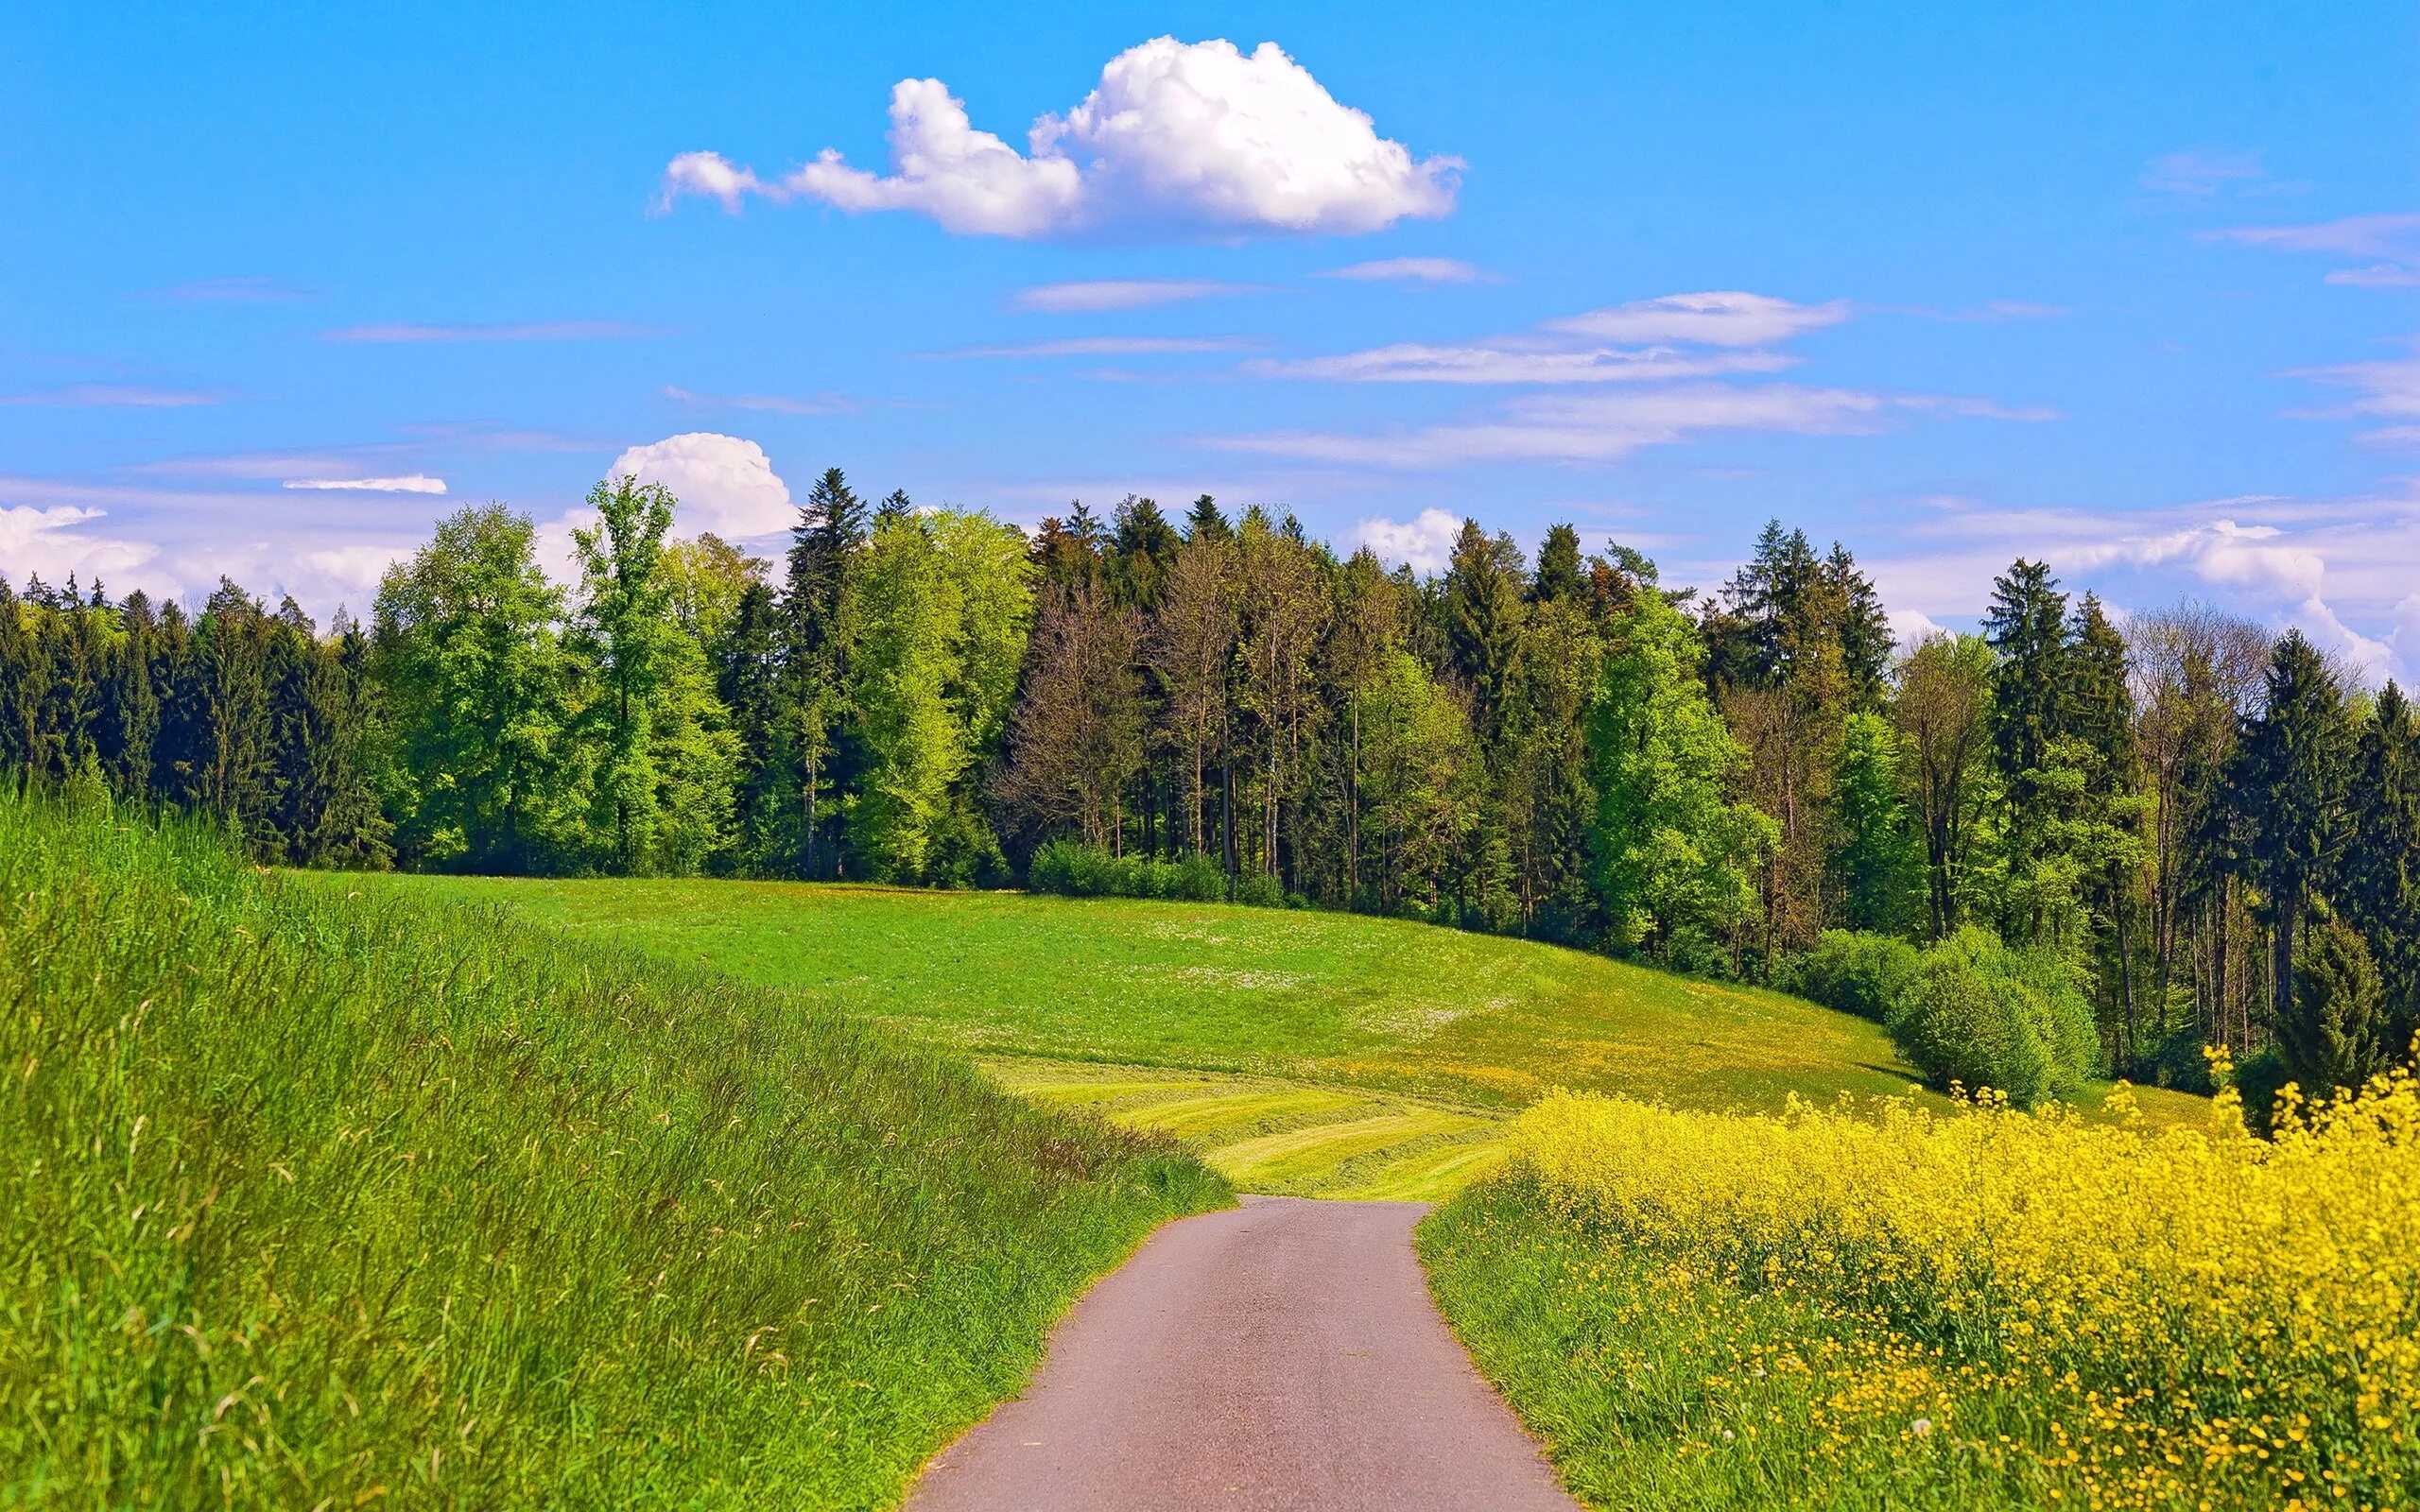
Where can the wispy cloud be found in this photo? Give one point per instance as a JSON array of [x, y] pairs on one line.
[[410, 483], [1583, 427], [1410, 270], [1715, 320], [770, 403], [243, 288], [2393, 239], [2389, 390], [1412, 362], [531, 331], [2203, 172], [1991, 312], [1106, 347], [1093, 296], [115, 396]]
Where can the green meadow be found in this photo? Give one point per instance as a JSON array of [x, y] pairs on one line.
[[315, 1193], [1297, 1051]]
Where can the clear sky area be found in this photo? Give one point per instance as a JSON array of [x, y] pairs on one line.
[[2129, 286]]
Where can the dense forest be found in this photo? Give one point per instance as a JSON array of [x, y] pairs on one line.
[[2187, 831]]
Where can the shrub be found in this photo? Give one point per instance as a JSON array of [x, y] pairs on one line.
[[1975, 1013], [1853, 970], [1260, 889], [1075, 869], [1198, 880]]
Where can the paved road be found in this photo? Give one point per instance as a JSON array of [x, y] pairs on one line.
[[1282, 1355]]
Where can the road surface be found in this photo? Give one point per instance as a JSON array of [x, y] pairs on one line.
[[1280, 1355]]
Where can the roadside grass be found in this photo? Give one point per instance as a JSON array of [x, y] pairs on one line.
[[1474, 1024], [321, 1194]]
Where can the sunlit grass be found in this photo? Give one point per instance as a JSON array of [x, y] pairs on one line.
[[319, 1194], [1280, 1137]]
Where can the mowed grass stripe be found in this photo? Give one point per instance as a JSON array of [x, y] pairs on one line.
[[1267, 1135]]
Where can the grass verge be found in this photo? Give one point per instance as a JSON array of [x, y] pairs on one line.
[[315, 1195]]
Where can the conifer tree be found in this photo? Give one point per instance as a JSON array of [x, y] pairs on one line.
[[2329, 1030], [2380, 887], [2287, 783]]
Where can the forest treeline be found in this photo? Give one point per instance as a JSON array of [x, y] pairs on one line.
[[2192, 832]]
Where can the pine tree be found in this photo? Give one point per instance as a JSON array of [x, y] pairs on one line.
[[1864, 632], [130, 700], [748, 678], [25, 674], [1560, 576], [1482, 621], [1204, 521], [2380, 890], [2288, 782], [824, 545], [2329, 1030]]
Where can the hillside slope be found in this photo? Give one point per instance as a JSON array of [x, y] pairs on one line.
[[317, 1194], [1331, 1055]]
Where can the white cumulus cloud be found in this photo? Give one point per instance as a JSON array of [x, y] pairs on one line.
[[1177, 138], [725, 485], [1424, 542]]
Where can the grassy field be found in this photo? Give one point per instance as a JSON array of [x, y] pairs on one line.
[[1359, 1055], [1264, 1135], [323, 1195]]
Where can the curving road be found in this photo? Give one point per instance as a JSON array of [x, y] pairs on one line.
[[1280, 1355]]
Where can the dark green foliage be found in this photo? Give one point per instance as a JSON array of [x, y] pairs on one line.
[[2333, 1032], [1976, 1013], [1853, 970], [1076, 870], [2380, 891], [2287, 783]]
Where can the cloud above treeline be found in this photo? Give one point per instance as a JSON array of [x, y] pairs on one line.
[[1177, 139], [725, 485]]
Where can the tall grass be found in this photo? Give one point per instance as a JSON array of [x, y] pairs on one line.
[[1988, 1308], [317, 1197]]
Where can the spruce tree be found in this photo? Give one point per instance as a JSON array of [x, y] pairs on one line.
[[1482, 621], [131, 700], [1204, 521], [2329, 1030], [1559, 575], [24, 676], [2380, 887], [824, 545], [2288, 784]]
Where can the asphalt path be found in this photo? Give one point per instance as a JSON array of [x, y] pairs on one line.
[[1281, 1355]]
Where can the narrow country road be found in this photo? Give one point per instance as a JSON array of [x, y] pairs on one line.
[[1281, 1355]]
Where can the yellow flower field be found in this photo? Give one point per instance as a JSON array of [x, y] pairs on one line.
[[2026, 1304]]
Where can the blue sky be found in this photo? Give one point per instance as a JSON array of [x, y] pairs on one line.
[[2129, 286]]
